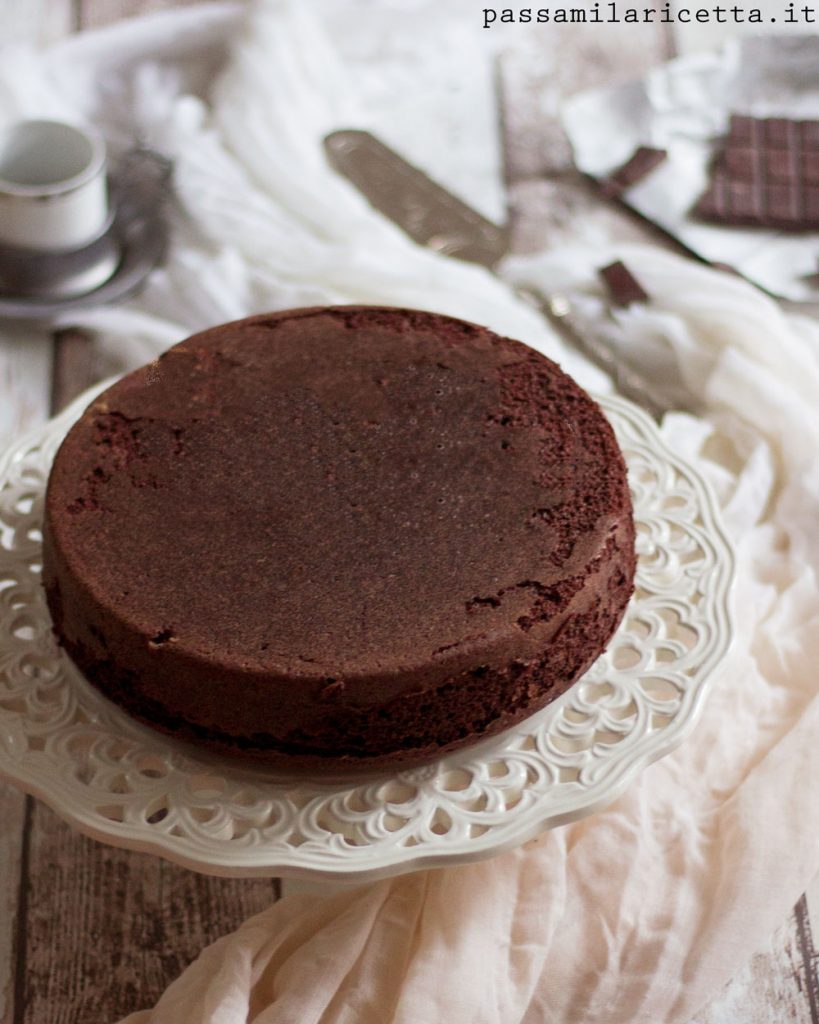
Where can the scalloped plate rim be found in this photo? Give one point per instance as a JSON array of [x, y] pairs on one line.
[[397, 859]]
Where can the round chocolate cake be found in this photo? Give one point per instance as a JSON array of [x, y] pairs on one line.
[[334, 537]]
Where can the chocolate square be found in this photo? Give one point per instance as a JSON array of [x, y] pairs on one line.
[[765, 175], [777, 131], [780, 203], [809, 131], [743, 200], [739, 163], [812, 203], [780, 164], [714, 204], [810, 167], [742, 130]]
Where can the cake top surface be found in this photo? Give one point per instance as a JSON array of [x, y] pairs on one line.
[[338, 492]]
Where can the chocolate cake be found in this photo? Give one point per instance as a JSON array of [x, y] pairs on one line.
[[338, 537]]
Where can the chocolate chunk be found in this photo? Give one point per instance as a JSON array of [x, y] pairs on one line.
[[740, 163], [638, 166], [622, 285], [765, 175]]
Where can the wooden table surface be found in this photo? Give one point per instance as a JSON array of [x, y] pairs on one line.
[[89, 933]]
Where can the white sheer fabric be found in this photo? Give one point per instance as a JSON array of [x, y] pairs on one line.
[[642, 912]]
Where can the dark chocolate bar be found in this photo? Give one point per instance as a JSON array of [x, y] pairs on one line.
[[642, 161], [765, 175], [622, 285]]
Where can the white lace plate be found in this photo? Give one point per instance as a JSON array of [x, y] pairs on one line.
[[125, 784]]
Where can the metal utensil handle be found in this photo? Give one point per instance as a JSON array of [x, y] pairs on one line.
[[558, 311], [428, 213]]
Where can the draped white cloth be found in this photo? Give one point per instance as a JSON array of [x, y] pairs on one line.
[[642, 912]]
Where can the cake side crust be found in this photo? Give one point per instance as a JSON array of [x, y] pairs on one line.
[[519, 640]]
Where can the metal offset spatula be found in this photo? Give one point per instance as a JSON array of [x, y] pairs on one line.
[[433, 217], [428, 213]]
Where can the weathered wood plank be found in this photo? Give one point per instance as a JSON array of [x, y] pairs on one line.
[[547, 66], [108, 929], [75, 366], [550, 202], [693, 36], [25, 376], [807, 914], [812, 905], [810, 962], [25, 372], [12, 817], [25, 369], [772, 987]]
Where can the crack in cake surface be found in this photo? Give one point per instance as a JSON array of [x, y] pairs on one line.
[[371, 500]]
